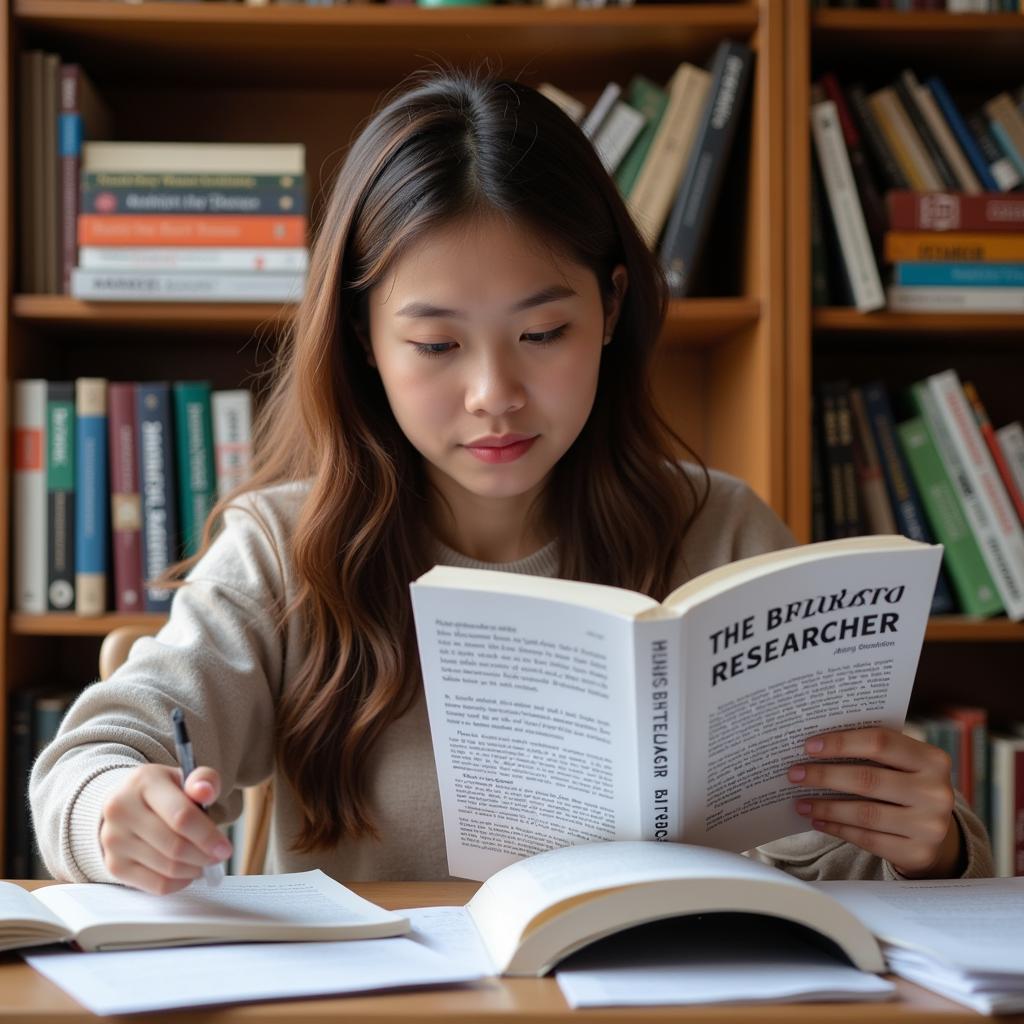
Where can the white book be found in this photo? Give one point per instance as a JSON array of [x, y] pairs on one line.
[[232, 438], [954, 299], [841, 192], [297, 907], [193, 158], [978, 513], [1011, 440], [564, 712], [28, 542], [960, 938], [617, 133], [601, 109], [185, 286], [208, 258], [977, 463]]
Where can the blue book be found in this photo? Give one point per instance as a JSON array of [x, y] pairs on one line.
[[155, 440], [92, 507], [1004, 140], [960, 275], [962, 133], [903, 496]]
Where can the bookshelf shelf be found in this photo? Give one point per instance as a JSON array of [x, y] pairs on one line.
[[60, 624], [963, 629], [380, 43], [925, 325], [690, 322]]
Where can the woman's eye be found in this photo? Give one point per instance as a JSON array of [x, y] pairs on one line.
[[543, 337], [433, 349]]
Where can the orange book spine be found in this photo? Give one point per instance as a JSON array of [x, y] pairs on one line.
[[953, 247], [217, 230]]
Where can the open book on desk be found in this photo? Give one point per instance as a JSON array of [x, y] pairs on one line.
[[302, 906], [564, 712]]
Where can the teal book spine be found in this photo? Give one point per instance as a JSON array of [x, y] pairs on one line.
[[197, 483]]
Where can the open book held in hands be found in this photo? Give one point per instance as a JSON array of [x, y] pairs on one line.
[[302, 906], [564, 712]]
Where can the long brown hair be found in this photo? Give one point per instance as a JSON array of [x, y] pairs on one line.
[[449, 145]]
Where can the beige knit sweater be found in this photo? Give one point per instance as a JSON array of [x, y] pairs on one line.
[[220, 658]]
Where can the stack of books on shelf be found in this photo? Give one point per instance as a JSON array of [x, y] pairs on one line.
[[218, 222], [668, 149], [987, 768], [911, 192], [81, 544], [941, 473]]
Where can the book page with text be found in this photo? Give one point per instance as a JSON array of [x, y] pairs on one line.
[[532, 720], [814, 647]]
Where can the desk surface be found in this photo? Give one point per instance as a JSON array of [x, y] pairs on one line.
[[29, 998]]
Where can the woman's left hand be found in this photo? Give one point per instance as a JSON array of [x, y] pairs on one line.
[[905, 798]]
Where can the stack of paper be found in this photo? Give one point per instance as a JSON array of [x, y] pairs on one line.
[[962, 939]]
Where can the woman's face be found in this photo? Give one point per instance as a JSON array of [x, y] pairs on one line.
[[488, 344]]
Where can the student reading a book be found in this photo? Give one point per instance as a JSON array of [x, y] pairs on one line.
[[464, 384]]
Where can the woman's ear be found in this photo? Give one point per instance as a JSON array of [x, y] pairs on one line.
[[613, 301]]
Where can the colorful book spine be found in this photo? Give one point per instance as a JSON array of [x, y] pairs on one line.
[[232, 259], [265, 201], [197, 482], [962, 558], [1003, 172], [869, 469], [91, 506], [905, 87], [970, 299], [125, 500], [29, 496], [959, 275], [696, 200], [954, 246], [60, 495], [156, 229], [903, 496], [971, 723], [650, 99], [963, 134], [183, 286], [878, 147], [1007, 766], [232, 438], [156, 485], [950, 211], [995, 449], [70, 132]]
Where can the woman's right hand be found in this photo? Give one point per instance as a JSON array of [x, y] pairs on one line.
[[154, 835]]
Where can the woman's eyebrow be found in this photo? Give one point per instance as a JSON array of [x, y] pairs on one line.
[[426, 309]]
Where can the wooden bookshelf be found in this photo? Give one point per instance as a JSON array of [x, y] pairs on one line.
[[965, 660], [291, 73]]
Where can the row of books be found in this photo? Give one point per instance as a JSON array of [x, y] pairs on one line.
[[34, 716], [667, 149], [909, 190], [160, 221], [943, 473], [113, 482]]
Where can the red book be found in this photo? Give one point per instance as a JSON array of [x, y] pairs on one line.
[[998, 457], [955, 211], [215, 229], [125, 501], [969, 721]]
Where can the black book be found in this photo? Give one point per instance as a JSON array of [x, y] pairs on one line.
[[695, 201], [904, 91], [20, 748], [889, 171]]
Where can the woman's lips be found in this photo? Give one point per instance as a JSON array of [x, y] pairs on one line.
[[507, 453]]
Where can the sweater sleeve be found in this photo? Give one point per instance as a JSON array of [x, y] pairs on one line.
[[219, 658]]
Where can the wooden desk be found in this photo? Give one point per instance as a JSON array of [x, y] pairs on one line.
[[28, 998]]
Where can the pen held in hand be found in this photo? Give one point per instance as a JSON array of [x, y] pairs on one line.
[[213, 873]]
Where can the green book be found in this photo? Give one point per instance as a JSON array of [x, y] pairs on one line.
[[197, 486], [970, 576], [650, 99]]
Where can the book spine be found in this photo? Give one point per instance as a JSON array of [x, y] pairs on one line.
[[959, 164], [599, 112], [973, 583], [174, 258], [91, 510], [995, 449], [125, 500], [960, 275], [1011, 440], [948, 211], [651, 100], [70, 134], [288, 184], [1008, 145], [904, 87], [197, 483], [904, 141], [195, 202], [51, 173], [820, 287], [156, 229], [156, 485], [877, 144], [617, 134], [182, 286], [838, 525], [29, 496], [19, 765], [47, 714], [841, 192], [953, 247], [872, 481], [60, 495], [963, 134], [955, 300], [697, 197], [906, 503], [1004, 115], [1002, 171], [232, 438], [1007, 790]]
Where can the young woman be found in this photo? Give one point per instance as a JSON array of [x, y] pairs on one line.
[[465, 383]]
